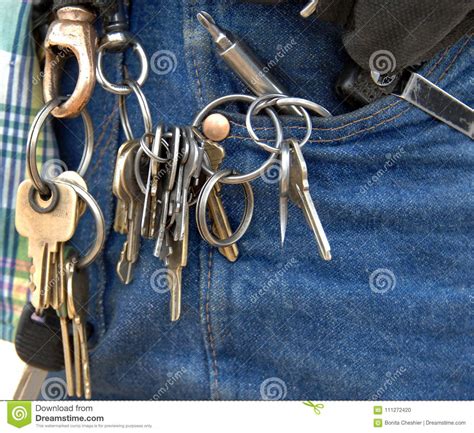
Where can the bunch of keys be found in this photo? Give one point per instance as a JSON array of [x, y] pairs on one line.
[[162, 211], [170, 219], [56, 281]]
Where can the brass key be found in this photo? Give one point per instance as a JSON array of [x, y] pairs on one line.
[[63, 320], [221, 226], [128, 191], [176, 261], [77, 283], [37, 226]]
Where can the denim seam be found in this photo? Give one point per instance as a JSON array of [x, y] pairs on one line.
[[113, 138], [214, 370], [393, 104], [102, 154], [210, 333], [193, 57], [329, 140]]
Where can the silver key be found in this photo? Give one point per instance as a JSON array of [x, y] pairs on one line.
[[191, 171], [168, 185], [285, 162], [300, 195], [150, 205]]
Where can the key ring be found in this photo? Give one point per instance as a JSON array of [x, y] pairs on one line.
[[242, 178], [149, 152], [201, 209], [95, 250], [304, 103], [266, 101], [33, 134], [144, 108], [139, 155], [284, 101], [119, 41]]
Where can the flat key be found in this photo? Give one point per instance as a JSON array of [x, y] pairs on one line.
[[168, 185], [121, 211], [77, 299], [36, 226], [63, 320], [150, 206], [135, 199], [285, 163], [191, 170], [176, 261], [128, 190], [300, 195]]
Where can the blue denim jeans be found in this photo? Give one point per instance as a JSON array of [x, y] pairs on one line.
[[390, 317]]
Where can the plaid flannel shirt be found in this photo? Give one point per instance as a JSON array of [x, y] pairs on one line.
[[20, 99]]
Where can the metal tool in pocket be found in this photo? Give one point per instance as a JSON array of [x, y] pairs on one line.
[[430, 98]]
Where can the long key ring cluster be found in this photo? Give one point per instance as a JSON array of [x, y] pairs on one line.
[[157, 148]]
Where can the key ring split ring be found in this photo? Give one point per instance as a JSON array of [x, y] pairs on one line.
[[201, 209], [241, 178], [144, 149], [144, 108], [95, 250], [118, 41], [266, 101], [33, 135]]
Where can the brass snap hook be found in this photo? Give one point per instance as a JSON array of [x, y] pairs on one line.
[[71, 33]]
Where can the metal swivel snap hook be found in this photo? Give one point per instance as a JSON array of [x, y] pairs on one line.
[[71, 33]]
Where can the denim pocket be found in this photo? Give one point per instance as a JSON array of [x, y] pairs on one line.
[[392, 188]]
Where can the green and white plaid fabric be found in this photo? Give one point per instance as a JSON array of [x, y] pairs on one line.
[[20, 99]]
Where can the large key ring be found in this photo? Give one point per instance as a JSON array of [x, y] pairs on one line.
[[33, 134], [144, 108], [266, 101], [201, 209], [118, 41], [241, 178], [95, 250]]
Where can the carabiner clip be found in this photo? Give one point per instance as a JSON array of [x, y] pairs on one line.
[[72, 32]]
